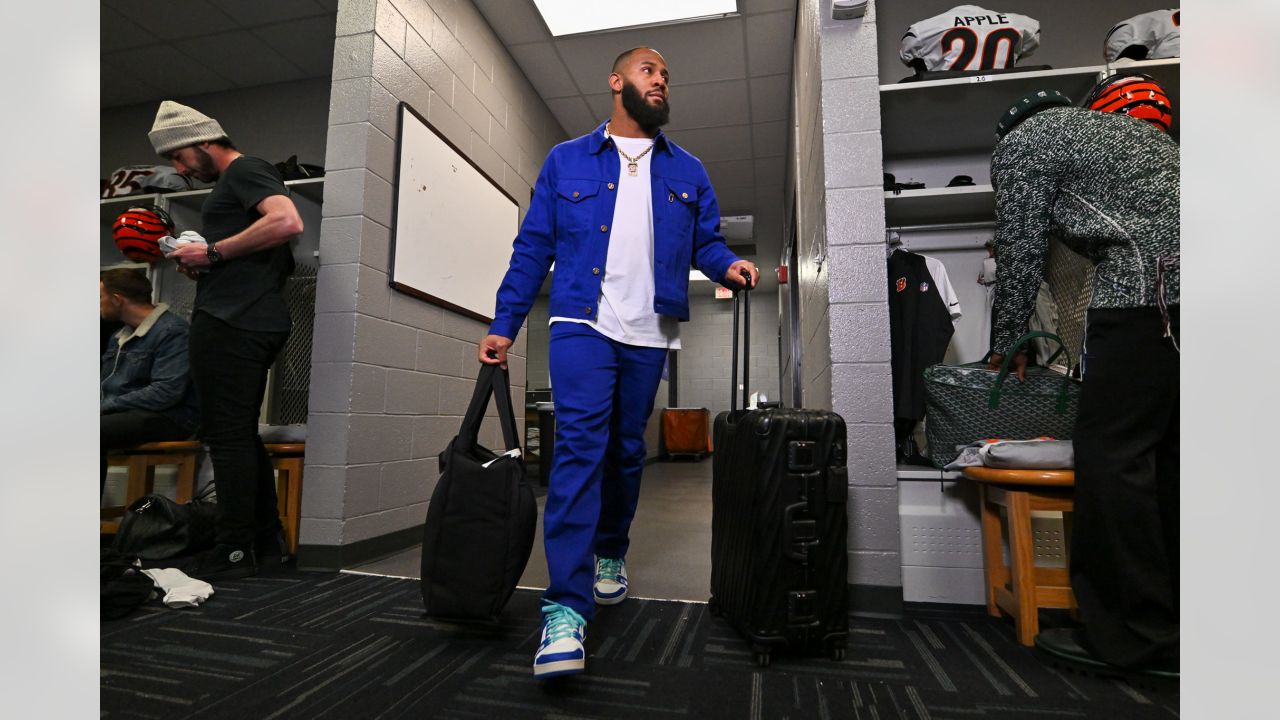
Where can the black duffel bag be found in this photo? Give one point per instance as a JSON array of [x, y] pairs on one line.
[[157, 528], [482, 517]]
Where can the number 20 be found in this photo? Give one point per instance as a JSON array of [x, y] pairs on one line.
[[969, 43]]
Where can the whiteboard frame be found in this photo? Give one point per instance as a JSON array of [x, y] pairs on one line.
[[405, 288]]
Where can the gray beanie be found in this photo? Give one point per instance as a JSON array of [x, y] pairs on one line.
[[178, 126]]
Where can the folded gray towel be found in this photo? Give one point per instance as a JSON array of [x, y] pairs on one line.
[[1040, 454]]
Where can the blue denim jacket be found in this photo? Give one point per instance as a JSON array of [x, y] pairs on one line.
[[569, 223], [150, 370]]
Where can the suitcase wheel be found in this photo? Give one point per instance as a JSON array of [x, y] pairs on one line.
[[762, 658], [837, 654]]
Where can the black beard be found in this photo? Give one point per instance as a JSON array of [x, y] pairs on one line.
[[647, 116], [205, 170]]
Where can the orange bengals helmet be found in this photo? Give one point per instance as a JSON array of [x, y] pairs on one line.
[[1138, 96], [137, 232]]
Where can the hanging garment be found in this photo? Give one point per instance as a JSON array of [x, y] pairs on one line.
[[941, 281], [920, 329], [1044, 319], [968, 37]]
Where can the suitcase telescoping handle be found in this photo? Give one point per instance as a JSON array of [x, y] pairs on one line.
[[746, 343]]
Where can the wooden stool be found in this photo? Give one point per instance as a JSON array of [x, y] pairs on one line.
[[287, 459], [1020, 588], [142, 461]]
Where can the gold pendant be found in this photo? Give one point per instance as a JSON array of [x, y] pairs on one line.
[[631, 169]]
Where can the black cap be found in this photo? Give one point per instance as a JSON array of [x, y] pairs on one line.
[[1029, 105]]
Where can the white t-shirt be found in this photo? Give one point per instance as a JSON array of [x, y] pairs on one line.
[[968, 37], [626, 311], [940, 280], [1160, 32]]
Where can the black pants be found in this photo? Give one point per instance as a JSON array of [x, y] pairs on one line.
[[229, 367], [1124, 548], [133, 427]]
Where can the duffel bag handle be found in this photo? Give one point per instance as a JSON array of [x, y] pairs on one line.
[[493, 381], [994, 398]]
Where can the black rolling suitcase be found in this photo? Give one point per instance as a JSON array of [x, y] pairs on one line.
[[778, 523]]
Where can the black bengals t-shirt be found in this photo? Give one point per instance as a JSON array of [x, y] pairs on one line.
[[245, 292]]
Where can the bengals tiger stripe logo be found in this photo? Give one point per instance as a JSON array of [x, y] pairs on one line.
[[137, 232]]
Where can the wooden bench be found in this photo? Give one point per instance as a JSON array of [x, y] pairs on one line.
[[286, 458], [1019, 588], [142, 461]]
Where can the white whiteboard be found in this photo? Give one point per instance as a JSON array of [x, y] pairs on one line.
[[452, 225]]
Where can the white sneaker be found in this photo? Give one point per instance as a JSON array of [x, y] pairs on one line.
[[611, 581], [561, 651]]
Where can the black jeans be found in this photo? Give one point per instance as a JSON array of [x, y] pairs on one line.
[[132, 427], [1124, 546], [229, 366]]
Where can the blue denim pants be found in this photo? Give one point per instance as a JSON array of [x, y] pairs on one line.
[[604, 393]]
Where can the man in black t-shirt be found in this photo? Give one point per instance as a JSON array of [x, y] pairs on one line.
[[238, 326]]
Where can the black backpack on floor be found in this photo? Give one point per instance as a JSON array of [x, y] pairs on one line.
[[124, 587], [482, 517]]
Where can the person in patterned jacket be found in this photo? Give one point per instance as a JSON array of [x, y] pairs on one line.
[[1107, 185]]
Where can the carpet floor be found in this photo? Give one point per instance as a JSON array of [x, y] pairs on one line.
[[309, 645]]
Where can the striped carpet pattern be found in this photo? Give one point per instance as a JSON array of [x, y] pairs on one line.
[[298, 645]]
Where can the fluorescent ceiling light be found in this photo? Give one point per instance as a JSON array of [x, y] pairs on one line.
[[569, 17]]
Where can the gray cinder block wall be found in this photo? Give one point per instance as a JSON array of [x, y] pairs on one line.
[[861, 380], [844, 310], [392, 375]]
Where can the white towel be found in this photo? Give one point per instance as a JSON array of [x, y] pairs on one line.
[[180, 589]]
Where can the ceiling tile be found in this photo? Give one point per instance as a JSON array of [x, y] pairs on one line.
[[118, 32], [172, 20], [735, 201], [770, 170], [241, 57], [307, 43], [544, 69], [769, 39], [770, 97], [716, 144], [708, 104], [514, 22], [171, 72], [769, 199], [755, 7], [769, 138], [574, 115], [118, 88], [601, 105], [250, 13], [731, 173], [695, 52]]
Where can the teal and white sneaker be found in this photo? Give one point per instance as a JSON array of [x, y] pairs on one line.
[[611, 581], [561, 651]]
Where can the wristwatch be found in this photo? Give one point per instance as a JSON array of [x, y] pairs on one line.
[[212, 253]]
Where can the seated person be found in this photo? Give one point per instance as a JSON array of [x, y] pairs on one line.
[[146, 389]]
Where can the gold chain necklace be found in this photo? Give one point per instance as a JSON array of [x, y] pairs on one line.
[[633, 163]]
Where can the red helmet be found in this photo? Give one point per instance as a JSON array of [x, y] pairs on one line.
[[137, 232], [1138, 96]]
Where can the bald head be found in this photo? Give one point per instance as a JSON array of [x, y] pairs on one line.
[[620, 63]]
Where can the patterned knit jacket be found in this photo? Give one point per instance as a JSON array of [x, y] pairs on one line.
[[1108, 186]]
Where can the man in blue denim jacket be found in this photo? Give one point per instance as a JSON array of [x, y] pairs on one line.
[[147, 394], [623, 241]]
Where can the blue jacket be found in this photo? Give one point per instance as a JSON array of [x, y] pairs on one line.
[[150, 370], [568, 223]]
